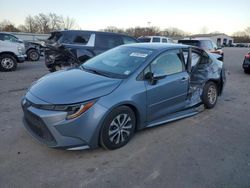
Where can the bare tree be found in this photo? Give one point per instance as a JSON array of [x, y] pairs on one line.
[[7, 26], [31, 25], [68, 23], [55, 21], [43, 22]]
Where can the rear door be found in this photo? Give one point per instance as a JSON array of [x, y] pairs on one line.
[[169, 94]]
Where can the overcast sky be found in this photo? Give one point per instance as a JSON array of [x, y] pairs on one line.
[[189, 15]]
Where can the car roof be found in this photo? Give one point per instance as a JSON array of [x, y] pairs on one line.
[[89, 32], [196, 39], [151, 36], [156, 46]]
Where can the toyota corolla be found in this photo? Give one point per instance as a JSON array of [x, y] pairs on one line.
[[111, 96]]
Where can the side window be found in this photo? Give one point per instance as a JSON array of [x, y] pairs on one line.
[[214, 46], [195, 58], [81, 39], [206, 44], [10, 38], [167, 64], [164, 40], [107, 41], [1, 37], [128, 40], [76, 39], [156, 39]]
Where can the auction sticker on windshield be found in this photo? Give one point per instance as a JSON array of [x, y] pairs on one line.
[[137, 54]]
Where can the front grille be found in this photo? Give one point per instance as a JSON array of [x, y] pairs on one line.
[[38, 128]]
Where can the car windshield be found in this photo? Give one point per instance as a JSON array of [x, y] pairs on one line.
[[119, 62]]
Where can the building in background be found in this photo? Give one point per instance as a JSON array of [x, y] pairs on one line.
[[220, 39]]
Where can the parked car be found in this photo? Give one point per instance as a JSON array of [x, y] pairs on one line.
[[128, 88], [246, 63], [155, 39], [86, 44], [12, 51], [33, 50], [205, 44], [242, 45]]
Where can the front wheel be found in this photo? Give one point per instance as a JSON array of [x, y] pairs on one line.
[[118, 128], [210, 95], [33, 55], [8, 62]]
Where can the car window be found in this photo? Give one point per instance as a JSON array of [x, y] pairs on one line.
[[206, 44], [121, 60], [10, 38], [107, 41], [195, 58], [76, 38], [128, 40], [55, 36], [164, 40], [156, 39], [214, 45], [190, 42], [167, 64], [144, 39]]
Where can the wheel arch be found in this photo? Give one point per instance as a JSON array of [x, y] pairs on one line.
[[9, 53]]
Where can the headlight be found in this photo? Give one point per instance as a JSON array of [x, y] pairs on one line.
[[73, 110], [20, 50]]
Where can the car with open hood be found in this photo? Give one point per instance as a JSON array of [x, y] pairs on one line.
[[111, 96]]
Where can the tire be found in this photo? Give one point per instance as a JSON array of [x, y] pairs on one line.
[[118, 128], [33, 55], [210, 95], [247, 71], [8, 62], [55, 68]]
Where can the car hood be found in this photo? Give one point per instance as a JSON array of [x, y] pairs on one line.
[[72, 86]]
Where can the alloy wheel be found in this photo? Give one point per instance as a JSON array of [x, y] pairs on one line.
[[212, 94], [119, 129]]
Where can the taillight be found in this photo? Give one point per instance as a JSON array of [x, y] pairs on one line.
[[247, 56]]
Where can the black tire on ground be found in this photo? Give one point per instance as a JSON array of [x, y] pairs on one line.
[[247, 71], [54, 68], [33, 55], [118, 128], [210, 94], [8, 62]]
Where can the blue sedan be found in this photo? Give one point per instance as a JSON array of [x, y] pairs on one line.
[[128, 88]]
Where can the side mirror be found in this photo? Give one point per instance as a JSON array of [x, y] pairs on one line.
[[153, 78]]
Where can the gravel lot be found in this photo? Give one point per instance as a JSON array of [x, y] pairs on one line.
[[211, 149]]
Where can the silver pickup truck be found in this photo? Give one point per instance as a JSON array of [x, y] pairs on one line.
[[12, 51]]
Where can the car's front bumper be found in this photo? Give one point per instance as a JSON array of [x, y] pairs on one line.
[[21, 58], [52, 128]]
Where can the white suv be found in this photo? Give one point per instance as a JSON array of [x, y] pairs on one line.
[[12, 51], [155, 39]]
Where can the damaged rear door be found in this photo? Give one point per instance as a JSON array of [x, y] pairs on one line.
[[200, 69]]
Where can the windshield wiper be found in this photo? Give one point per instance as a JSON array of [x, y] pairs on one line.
[[96, 72]]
